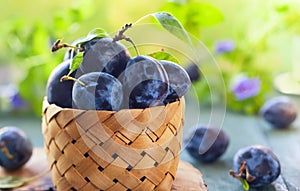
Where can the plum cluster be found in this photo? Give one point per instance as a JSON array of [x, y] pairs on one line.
[[109, 78]]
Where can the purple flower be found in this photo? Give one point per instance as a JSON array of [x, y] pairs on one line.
[[17, 102], [223, 46], [244, 87]]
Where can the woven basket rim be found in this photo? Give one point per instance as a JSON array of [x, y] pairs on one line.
[[47, 104]]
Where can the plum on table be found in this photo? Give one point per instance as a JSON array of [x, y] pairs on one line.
[[15, 148], [206, 144], [279, 111], [257, 165]]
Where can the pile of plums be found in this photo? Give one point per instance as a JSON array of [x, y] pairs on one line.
[[108, 78]]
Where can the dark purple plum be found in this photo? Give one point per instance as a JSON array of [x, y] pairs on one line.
[[60, 93], [193, 72], [256, 164], [105, 55], [15, 148], [206, 144], [279, 111], [148, 93], [97, 91], [179, 81], [145, 83]]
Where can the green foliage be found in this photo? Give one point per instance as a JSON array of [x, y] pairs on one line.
[[29, 47], [290, 14], [194, 15], [27, 44], [33, 86]]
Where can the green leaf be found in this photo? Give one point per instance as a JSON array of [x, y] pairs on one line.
[[10, 182], [95, 33], [203, 15], [76, 62], [171, 24], [194, 15], [245, 184], [162, 55]]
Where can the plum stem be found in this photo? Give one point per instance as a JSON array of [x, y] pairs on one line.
[[121, 36], [5, 151], [243, 171], [64, 78], [58, 45]]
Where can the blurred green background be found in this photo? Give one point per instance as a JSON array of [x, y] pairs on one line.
[[262, 32]]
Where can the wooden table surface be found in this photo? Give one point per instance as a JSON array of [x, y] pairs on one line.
[[243, 131]]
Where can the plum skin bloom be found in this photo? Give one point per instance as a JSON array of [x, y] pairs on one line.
[[244, 87]]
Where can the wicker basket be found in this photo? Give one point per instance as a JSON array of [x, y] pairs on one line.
[[132, 149]]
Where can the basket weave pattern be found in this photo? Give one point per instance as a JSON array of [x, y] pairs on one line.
[[136, 149]]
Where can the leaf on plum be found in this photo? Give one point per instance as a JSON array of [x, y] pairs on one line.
[[95, 33], [245, 184], [162, 55], [76, 62]]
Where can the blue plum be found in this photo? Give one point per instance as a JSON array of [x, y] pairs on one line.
[[206, 144], [279, 111], [256, 164], [145, 83], [179, 81], [15, 148], [193, 72], [97, 91], [60, 93], [105, 55]]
